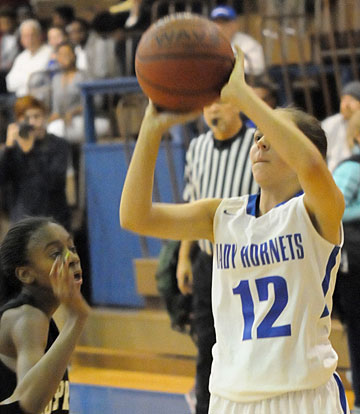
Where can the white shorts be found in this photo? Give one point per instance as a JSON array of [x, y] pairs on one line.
[[329, 398]]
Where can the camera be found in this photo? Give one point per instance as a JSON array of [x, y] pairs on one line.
[[25, 129]]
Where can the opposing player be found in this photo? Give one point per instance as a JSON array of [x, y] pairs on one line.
[[39, 270], [275, 261]]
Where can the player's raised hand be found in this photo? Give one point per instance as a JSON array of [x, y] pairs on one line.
[[163, 120], [233, 91], [66, 288]]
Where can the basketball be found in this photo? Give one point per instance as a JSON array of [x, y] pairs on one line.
[[182, 62]]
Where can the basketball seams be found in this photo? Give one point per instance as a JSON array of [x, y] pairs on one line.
[[183, 91], [183, 56], [182, 62]]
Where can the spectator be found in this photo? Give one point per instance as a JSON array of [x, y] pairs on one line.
[[347, 291], [66, 119], [63, 15], [267, 92], [335, 125], [34, 165], [35, 57], [9, 47], [226, 19], [217, 165], [55, 36], [95, 55]]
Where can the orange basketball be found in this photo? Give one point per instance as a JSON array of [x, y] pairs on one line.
[[182, 62]]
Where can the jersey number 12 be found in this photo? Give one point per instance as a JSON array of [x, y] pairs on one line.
[[265, 328]]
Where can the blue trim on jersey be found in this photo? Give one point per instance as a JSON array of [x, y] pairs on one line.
[[326, 281], [341, 393], [252, 204], [254, 201]]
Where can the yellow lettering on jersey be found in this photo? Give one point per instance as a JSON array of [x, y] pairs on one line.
[[66, 396], [59, 393], [63, 390], [48, 408]]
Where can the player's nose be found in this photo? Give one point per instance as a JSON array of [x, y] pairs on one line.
[[263, 144]]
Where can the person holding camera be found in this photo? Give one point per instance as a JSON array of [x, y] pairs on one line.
[[34, 166]]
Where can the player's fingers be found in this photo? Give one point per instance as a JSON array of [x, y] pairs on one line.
[[55, 267]]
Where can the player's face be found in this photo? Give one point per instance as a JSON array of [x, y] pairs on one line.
[[348, 105], [267, 166], [45, 247]]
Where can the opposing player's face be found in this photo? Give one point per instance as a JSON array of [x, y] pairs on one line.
[[45, 247], [267, 166]]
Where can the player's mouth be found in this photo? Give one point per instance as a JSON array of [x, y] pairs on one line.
[[78, 277]]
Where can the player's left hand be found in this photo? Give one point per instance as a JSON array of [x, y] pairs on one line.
[[163, 120]]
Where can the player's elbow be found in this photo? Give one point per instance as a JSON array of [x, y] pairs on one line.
[[130, 221]]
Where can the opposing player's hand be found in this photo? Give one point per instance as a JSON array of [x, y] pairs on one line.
[[65, 287], [184, 275], [163, 120]]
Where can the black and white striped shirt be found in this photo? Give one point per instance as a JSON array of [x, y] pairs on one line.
[[219, 169]]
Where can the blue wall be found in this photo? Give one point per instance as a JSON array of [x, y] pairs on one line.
[[113, 249]]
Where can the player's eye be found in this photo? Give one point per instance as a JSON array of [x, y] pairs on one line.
[[73, 249], [54, 255]]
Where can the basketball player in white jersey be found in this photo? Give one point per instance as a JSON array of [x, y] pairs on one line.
[[276, 256]]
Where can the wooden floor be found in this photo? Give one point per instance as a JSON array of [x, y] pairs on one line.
[[131, 379], [141, 380]]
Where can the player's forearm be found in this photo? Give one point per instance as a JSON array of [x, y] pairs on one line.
[[41, 382], [185, 249], [136, 199], [282, 133]]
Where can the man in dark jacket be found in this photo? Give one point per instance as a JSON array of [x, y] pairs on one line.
[[34, 166]]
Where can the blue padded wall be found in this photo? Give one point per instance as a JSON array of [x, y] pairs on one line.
[[113, 249]]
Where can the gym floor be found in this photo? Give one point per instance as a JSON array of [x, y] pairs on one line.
[[96, 390]]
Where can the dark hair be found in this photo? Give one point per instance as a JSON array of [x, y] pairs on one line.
[[66, 12], [14, 253], [83, 23], [7, 12], [104, 22], [272, 93], [309, 126], [67, 44]]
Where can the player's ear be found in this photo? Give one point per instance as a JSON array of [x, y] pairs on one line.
[[25, 275]]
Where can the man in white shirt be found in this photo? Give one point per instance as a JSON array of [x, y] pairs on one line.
[[335, 126], [226, 19], [33, 58]]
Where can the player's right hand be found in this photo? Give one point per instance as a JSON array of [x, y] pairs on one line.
[[164, 120], [66, 289], [184, 276]]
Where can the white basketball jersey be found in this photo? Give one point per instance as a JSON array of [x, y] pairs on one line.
[[273, 280]]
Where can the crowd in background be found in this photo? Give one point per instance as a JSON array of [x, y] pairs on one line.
[[42, 62]]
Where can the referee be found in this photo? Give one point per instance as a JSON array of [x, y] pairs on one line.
[[217, 166]]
